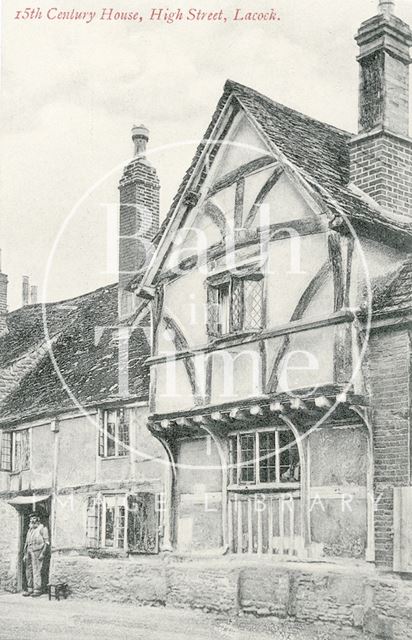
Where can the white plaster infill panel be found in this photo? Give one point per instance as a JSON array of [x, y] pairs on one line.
[[185, 532], [327, 493], [200, 498]]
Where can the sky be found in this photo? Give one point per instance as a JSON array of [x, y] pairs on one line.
[[70, 93]]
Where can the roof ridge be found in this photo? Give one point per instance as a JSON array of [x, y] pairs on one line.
[[57, 303], [232, 84]]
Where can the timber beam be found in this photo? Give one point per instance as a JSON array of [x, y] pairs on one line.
[[307, 410]]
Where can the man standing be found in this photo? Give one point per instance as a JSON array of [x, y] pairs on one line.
[[35, 547]]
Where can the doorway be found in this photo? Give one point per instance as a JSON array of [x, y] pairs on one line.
[[42, 509]]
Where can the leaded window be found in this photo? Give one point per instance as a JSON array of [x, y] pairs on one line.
[[15, 450], [235, 303], [253, 308], [5, 451]]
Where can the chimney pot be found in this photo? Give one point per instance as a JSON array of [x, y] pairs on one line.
[[387, 7], [140, 137]]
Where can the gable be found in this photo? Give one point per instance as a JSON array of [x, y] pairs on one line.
[[284, 201], [242, 144], [238, 206], [314, 155]]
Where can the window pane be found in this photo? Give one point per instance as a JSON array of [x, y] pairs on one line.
[[142, 523], [267, 457], [223, 302], [237, 304], [123, 434], [6, 451], [247, 450], [233, 459], [110, 521], [17, 451], [253, 304], [120, 526], [25, 449], [93, 521], [289, 457], [111, 435]]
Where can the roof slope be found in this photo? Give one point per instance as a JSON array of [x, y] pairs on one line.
[[86, 355], [26, 330], [319, 151], [393, 292]]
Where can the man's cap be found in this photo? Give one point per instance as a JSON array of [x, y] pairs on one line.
[[34, 515]]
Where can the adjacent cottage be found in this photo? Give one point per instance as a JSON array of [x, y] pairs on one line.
[[74, 443]]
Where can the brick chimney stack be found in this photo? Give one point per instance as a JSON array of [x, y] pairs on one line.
[[3, 301], [381, 154], [25, 291], [139, 217]]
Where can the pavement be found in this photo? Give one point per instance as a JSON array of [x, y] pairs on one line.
[[36, 619]]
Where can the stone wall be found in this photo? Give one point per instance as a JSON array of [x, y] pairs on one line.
[[116, 580], [9, 544], [351, 598]]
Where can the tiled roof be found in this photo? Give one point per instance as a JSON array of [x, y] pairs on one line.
[[394, 290], [319, 151], [85, 355], [26, 331]]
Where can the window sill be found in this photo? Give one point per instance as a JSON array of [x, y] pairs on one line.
[[272, 486], [115, 457]]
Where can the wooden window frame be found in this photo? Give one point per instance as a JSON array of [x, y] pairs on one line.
[[226, 279], [16, 462], [121, 447], [6, 447], [16, 442], [96, 519], [121, 501], [257, 485]]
